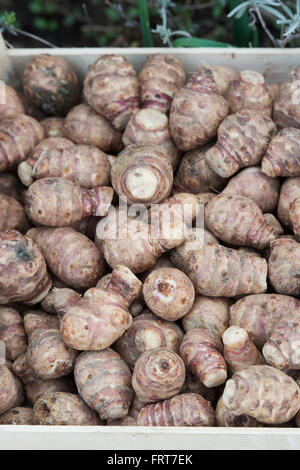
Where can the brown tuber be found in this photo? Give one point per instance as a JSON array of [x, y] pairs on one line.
[[290, 191], [286, 103], [169, 293], [12, 215], [223, 77], [12, 332], [264, 393], [227, 418], [202, 351], [11, 186], [23, 274], [51, 84], [284, 266], [12, 104], [243, 139], [188, 409], [294, 214], [63, 409], [104, 382], [17, 416], [11, 389], [160, 78], [283, 154], [53, 127], [111, 88], [59, 202], [197, 110]]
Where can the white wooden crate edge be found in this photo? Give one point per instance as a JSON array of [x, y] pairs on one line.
[[274, 64]]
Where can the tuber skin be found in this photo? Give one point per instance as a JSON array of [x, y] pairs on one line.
[[284, 266], [70, 255], [238, 221], [294, 214], [102, 315], [160, 78], [143, 174], [256, 185], [13, 104], [202, 352], [290, 191], [111, 89], [83, 125], [59, 300], [283, 154], [197, 110], [18, 137], [273, 89], [47, 355], [11, 186], [193, 384], [217, 271], [195, 176], [103, 380], [223, 77], [63, 409], [282, 348], [243, 139], [187, 409], [274, 224], [12, 215], [286, 102], [148, 332], [264, 393], [53, 127], [227, 418], [209, 313], [250, 92], [12, 332], [54, 146], [23, 274], [169, 293], [57, 202], [258, 314], [87, 226], [11, 389], [150, 126], [158, 374], [17, 416], [51, 84], [239, 351], [126, 421]]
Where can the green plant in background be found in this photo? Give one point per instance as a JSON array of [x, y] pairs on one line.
[[145, 24]]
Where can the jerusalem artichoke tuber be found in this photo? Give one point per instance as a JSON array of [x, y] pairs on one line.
[[284, 266], [294, 214], [17, 416], [53, 127], [227, 418], [223, 77], [289, 192], [286, 102], [12, 104], [12, 215], [11, 389], [12, 332], [283, 154]]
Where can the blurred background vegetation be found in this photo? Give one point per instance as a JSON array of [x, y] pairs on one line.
[[137, 23]]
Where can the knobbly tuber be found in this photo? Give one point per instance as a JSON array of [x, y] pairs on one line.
[[53, 127], [169, 293], [11, 389], [54, 146], [227, 418], [111, 88], [209, 313], [12, 332], [12, 104], [290, 190], [195, 175], [294, 213], [17, 416], [160, 78], [83, 125], [51, 84], [11, 185], [258, 314], [197, 110], [239, 351], [87, 226], [256, 185], [63, 409], [264, 393], [223, 76], [187, 409], [150, 126], [286, 102], [59, 202], [250, 92], [70, 255], [217, 271], [102, 315], [12, 215], [237, 220], [284, 266], [273, 89], [202, 351], [143, 174], [283, 154], [158, 374], [47, 355], [104, 382], [148, 332], [243, 139], [23, 274], [274, 224], [18, 137], [193, 384]]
